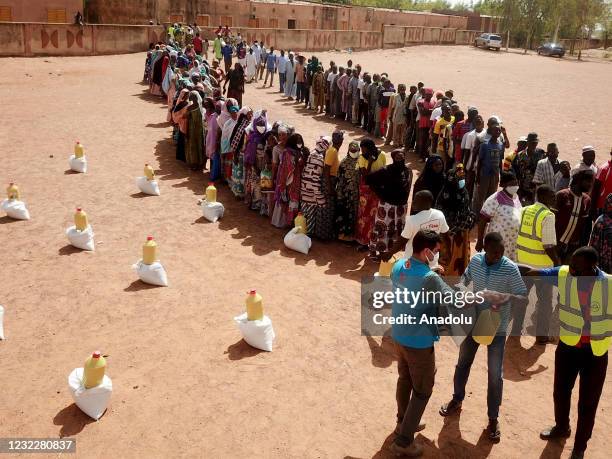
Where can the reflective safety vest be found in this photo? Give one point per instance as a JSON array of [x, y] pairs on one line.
[[571, 321], [529, 248]]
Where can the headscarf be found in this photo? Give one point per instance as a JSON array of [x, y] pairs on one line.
[[225, 114], [182, 100], [454, 202], [430, 180], [255, 138], [311, 190], [198, 97]]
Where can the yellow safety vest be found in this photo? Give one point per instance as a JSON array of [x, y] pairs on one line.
[[529, 248], [571, 321]]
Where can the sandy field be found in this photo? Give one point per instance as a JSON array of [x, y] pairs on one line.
[[185, 384]]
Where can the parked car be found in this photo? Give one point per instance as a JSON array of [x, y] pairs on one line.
[[489, 41], [551, 49]]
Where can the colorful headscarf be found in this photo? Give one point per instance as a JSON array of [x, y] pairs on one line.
[[255, 138]]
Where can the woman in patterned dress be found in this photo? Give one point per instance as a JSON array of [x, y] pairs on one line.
[[347, 194]]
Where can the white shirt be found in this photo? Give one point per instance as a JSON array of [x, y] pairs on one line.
[[331, 76], [413, 101], [431, 219], [436, 113], [360, 84]]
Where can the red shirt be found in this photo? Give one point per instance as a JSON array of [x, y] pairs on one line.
[[584, 297], [197, 45], [605, 177], [424, 120]]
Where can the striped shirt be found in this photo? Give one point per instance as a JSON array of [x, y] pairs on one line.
[[545, 172], [572, 215], [501, 277]]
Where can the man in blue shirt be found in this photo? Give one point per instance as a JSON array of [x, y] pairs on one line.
[[270, 67], [282, 70], [227, 51], [416, 361], [490, 157], [490, 270]]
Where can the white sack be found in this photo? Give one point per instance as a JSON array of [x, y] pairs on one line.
[[94, 401], [1, 323], [297, 241], [15, 209], [148, 186], [78, 164], [257, 333], [153, 274], [83, 240], [212, 211]]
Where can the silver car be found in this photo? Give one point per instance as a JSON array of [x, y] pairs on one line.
[[489, 41]]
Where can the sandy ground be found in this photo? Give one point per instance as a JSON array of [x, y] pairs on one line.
[[185, 384]]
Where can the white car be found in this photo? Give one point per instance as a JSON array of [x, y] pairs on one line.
[[489, 41]]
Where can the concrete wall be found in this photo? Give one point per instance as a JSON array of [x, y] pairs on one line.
[[36, 10], [30, 39], [396, 36]]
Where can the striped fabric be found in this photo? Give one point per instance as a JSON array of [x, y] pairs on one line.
[[502, 277]]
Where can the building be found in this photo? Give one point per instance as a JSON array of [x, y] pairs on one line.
[[54, 11]]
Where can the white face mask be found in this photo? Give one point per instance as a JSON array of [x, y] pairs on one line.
[[354, 154], [433, 263], [299, 145], [512, 189], [261, 129]]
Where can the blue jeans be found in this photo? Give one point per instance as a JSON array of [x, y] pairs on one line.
[[281, 78], [495, 362]]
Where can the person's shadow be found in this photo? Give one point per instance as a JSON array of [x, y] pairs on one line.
[[72, 420], [518, 360], [451, 444], [383, 354]]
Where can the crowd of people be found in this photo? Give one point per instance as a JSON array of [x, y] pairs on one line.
[[528, 211]]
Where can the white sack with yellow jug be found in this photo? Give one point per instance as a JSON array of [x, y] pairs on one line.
[[212, 211], [153, 274], [297, 241], [148, 186], [83, 240], [78, 164], [2, 323], [257, 333], [15, 209], [93, 401]]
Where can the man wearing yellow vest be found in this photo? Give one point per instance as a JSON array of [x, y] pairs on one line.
[[536, 248], [585, 323]]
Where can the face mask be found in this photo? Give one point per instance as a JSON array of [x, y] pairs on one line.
[[433, 263], [299, 145], [512, 189], [354, 154], [461, 183], [261, 129]]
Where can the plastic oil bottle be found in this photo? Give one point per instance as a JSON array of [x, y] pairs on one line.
[[486, 326], [80, 220], [385, 267], [254, 306], [211, 193], [93, 370], [12, 191], [149, 251], [300, 222], [79, 150], [149, 172]]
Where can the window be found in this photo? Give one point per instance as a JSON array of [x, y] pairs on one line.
[[175, 18], [344, 25], [203, 20], [254, 23], [291, 23], [227, 21], [57, 16], [273, 23], [5, 14]]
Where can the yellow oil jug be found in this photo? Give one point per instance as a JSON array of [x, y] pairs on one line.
[[79, 150], [149, 251], [93, 370], [486, 326], [12, 191], [80, 219], [254, 306], [149, 172], [385, 267], [211, 193], [300, 222]]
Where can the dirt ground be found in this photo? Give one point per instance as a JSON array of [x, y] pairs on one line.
[[185, 384]]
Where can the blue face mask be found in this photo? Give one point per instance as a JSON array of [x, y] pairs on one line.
[[461, 183]]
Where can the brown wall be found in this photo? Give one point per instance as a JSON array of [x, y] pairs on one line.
[[36, 10]]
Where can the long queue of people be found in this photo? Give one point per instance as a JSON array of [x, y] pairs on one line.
[[548, 219]]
